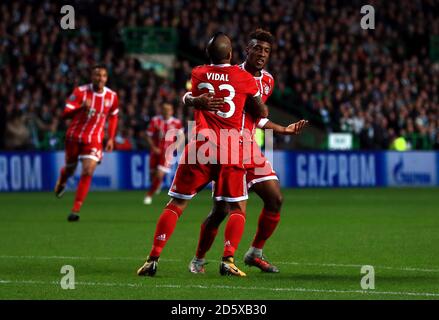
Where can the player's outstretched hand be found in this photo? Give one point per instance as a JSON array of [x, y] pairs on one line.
[[296, 128], [110, 145], [206, 101]]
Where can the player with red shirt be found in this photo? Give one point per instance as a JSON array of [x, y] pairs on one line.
[[162, 131], [234, 85], [260, 174], [89, 106]]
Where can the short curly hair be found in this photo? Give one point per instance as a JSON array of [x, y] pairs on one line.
[[262, 35], [99, 66]]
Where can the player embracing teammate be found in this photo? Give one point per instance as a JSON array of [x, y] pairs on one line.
[[261, 177], [216, 153]]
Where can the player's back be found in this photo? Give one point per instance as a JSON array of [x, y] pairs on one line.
[[228, 82]]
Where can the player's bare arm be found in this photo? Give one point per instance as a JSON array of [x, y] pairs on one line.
[[205, 101], [112, 127], [257, 108], [292, 129], [155, 149]]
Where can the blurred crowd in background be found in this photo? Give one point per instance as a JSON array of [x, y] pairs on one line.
[[377, 84]]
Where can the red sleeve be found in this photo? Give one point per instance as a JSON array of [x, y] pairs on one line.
[[194, 83], [112, 126], [251, 86], [152, 128], [179, 126], [196, 79], [73, 102], [113, 117], [115, 106], [271, 88]]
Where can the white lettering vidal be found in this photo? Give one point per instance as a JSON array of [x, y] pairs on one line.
[[217, 76]]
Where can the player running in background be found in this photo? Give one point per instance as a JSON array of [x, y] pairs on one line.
[[261, 177], [159, 164], [194, 172], [88, 106]]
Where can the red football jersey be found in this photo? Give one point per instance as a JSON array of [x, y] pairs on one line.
[[234, 85], [158, 127], [265, 83], [224, 81], [93, 108]]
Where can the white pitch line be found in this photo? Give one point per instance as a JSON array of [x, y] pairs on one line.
[[336, 265], [241, 288], [355, 266], [82, 258]]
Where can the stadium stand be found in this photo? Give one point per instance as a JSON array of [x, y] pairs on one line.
[[377, 84]]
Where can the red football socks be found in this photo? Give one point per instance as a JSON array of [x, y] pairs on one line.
[[233, 232], [164, 229], [156, 181], [207, 236], [81, 192], [267, 223], [63, 175]]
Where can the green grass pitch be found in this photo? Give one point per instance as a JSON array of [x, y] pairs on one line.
[[324, 238]]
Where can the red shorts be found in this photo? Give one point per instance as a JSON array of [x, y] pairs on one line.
[[159, 162], [258, 168], [76, 150], [189, 179]]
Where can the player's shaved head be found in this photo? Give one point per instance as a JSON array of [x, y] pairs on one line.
[[219, 49]]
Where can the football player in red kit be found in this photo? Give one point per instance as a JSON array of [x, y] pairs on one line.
[[261, 177], [162, 131], [211, 156], [89, 106]]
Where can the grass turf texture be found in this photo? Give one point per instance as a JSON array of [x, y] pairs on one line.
[[324, 238]]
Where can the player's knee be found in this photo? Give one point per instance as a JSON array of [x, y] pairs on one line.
[[70, 168], [216, 216], [179, 203], [239, 212], [87, 171], [274, 203], [213, 221]]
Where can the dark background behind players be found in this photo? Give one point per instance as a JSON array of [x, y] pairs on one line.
[[378, 84]]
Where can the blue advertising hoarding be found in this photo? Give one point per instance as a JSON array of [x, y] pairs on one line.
[[27, 171], [336, 169], [38, 171]]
